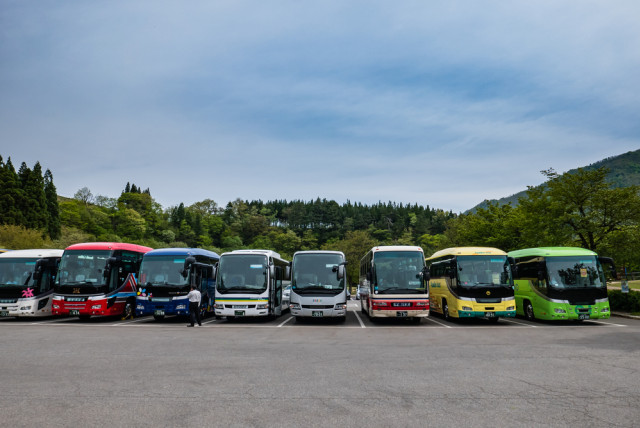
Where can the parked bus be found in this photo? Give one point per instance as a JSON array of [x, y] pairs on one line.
[[166, 276], [318, 284], [561, 283], [471, 282], [393, 283], [249, 283], [26, 282], [98, 278]]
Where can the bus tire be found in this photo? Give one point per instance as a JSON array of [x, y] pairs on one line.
[[528, 311], [127, 311], [445, 311]]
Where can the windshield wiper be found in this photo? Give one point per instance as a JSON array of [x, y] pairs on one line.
[[95, 284], [401, 290]]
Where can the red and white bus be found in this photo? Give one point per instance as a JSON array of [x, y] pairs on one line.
[[393, 282], [98, 279]]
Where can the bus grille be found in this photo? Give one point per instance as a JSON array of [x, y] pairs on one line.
[[317, 306]]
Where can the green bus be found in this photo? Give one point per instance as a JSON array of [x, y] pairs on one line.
[[560, 283]]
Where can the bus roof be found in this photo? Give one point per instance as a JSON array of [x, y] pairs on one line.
[[268, 253], [108, 246], [396, 248], [182, 252], [318, 252], [24, 254], [552, 252], [468, 251]]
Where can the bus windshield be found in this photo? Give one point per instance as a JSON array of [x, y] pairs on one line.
[[242, 273], [17, 272], [483, 271], [163, 271], [574, 272], [314, 272], [399, 272], [83, 268]]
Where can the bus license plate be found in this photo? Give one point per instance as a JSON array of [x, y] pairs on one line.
[[490, 314], [158, 313], [317, 313], [73, 312], [402, 314], [583, 316], [4, 313], [239, 313], [396, 304]]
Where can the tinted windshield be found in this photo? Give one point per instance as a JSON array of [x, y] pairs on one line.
[[574, 272], [242, 274], [483, 271], [399, 272], [17, 272], [83, 267], [163, 270], [315, 272]]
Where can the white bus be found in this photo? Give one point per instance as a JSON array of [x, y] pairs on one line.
[[393, 282], [249, 283], [318, 284], [26, 282]]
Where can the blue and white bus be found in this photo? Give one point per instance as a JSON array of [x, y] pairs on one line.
[[166, 276], [250, 283], [318, 285], [26, 282]]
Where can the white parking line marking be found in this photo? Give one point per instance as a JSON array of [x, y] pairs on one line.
[[213, 320], [133, 321], [438, 322], [285, 321], [607, 323], [54, 321], [359, 320], [519, 323]]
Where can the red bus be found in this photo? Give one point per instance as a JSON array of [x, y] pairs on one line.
[[98, 279]]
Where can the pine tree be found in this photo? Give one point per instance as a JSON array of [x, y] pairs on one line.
[[10, 194], [53, 211], [134, 189], [34, 205], [127, 188]]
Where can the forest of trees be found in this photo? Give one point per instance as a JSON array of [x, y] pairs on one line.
[[579, 209]]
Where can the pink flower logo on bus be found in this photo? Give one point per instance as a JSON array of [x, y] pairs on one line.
[[27, 293]]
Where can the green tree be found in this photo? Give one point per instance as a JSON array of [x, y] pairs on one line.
[[10, 194], [354, 246], [53, 209]]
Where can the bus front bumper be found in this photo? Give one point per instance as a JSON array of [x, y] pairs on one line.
[[162, 308], [93, 307], [332, 312], [26, 308], [399, 313]]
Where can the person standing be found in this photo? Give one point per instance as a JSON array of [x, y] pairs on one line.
[[194, 306]]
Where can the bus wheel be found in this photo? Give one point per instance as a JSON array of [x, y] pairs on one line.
[[445, 310], [528, 311], [158, 317], [128, 311]]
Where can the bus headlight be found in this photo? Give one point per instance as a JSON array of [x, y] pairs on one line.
[[559, 311], [96, 306], [340, 306], [295, 306], [56, 307], [511, 308], [467, 308], [262, 306], [140, 307], [181, 307], [218, 306], [605, 309], [25, 308]]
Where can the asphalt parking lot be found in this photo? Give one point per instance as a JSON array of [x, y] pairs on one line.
[[249, 372]]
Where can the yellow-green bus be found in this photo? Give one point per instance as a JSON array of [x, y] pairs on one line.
[[560, 283], [471, 282]]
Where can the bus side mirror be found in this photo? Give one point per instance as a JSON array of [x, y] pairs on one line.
[[287, 272], [37, 273], [272, 271], [187, 264], [541, 276], [514, 267], [111, 262], [340, 272], [612, 266], [424, 274], [214, 271]]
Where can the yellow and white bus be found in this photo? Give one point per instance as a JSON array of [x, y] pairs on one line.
[[471, 282]]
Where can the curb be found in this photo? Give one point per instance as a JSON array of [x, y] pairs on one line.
[[625, 315]]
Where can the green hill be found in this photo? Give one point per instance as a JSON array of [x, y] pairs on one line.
[[624, 170]]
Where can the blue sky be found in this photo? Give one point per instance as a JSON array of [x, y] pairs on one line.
[[441, 103]]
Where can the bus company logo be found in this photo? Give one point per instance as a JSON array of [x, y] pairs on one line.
[[317, 300], [76, 291], [488, 293]]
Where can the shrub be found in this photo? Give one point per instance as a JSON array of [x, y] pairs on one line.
[[625, 302]]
